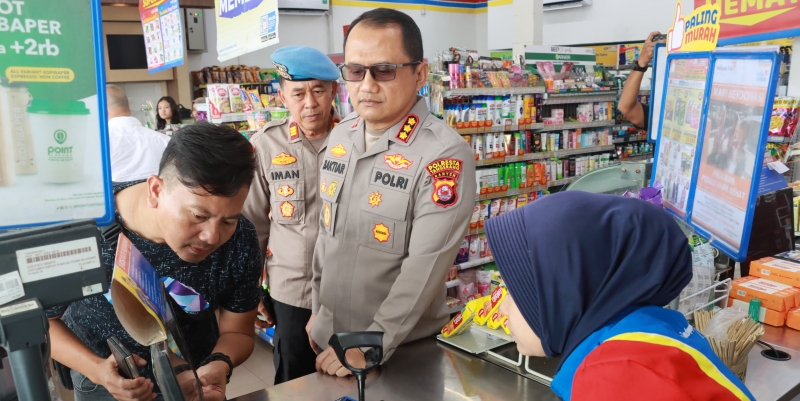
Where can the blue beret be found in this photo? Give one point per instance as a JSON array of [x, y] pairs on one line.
[[303, 63]]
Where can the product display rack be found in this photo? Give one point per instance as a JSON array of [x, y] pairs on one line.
[[230, 118], [527, 90], [581, 97], [506, 128], [542, 155]]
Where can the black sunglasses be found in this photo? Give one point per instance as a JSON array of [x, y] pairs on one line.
[[380, 72]]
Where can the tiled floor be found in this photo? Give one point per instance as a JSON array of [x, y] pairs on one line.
[[256, 373]]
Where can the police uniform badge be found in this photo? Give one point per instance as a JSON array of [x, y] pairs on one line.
[[445, 174], [282, 70]]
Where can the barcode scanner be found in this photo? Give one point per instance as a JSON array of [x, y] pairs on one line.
[[372, 341]]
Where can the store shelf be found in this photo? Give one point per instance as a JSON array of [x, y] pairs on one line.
[[455, 309], [475, 263], [633, 138], [585, 97], [778, 139], [581, 92], [512, 192], [498, 333], [230, 118], [542, 155], [203, 86], [639, 157], [493, 91], [477, 231], [453, 283], [505, 128], [568, 126]]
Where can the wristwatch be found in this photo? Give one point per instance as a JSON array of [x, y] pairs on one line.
[[636, 66], [219, 356]]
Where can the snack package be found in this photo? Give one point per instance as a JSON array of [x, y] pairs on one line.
[[496, 281], [504, 325], [255, 99], [775, 296], [495, 321], [766, 315], [476, 216], [247, 105], [779, 270], [484, 280], [235, 93], [780, 120], [219, 102], [490, 305], [494, 208], [474, 247], [460, 323], [463, 251], [483, 249], [793, 319]]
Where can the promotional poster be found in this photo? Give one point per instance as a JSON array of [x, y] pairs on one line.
[[683, 107], [163, 33], [727, 170], [53, 144]]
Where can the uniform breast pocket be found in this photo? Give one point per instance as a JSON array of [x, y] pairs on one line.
[[384, 225], [288, 202]]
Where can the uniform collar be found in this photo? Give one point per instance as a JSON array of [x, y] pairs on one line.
[[296, 133]]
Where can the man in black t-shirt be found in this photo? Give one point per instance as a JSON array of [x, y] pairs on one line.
[[187, 223], [638, 113]]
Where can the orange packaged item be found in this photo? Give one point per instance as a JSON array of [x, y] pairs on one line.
[[504, 324], [489, 306], [494, 321], [782, 271], [766, 315], [775, 296], [793, 319], [461, 322]]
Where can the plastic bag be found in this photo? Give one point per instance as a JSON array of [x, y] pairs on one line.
[[717, 327]]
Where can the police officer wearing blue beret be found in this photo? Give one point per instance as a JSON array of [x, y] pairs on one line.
[[284, 202]]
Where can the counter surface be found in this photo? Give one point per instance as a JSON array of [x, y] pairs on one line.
[[427, 370], [424, 370]]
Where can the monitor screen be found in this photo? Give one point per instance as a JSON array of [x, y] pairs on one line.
[[126, 52]]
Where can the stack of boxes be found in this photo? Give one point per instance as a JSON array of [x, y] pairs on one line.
[[775, 283]]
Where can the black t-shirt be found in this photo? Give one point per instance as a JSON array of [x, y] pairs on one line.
[[646, 112], [228, 278]]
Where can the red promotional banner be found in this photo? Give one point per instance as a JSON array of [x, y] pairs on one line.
[[745, 21]]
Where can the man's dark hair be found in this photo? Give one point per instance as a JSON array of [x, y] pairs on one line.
[[216, 158], [384, 18]]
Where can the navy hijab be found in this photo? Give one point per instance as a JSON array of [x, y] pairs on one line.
[[574, 260]]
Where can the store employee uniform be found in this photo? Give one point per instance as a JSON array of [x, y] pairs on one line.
[[285, 187], [393, 217]]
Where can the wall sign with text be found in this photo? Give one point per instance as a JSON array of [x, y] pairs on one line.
[[743, 21]]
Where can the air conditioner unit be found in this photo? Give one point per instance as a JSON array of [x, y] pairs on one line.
[[553, 5], [304, 7]]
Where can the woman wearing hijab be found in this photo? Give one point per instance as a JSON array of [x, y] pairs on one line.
[[588, 276]]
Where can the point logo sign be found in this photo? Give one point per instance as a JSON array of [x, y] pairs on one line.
[[60, 136]]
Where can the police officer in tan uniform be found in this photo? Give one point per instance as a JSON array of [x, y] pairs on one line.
[[398, 190], [284, 204]]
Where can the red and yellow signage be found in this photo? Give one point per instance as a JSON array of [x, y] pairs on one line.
[[696, 32], [754, 20]]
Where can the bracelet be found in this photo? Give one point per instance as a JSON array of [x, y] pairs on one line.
[[219, 356], [181, 368]]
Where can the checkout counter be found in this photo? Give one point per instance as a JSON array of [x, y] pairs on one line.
[[427, 370], [430, 370]]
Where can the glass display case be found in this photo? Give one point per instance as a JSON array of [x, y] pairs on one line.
[[615, 179]]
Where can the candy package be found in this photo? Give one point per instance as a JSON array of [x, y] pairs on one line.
[[255, 99], [490, 305], [235, 93], [463, 251]]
